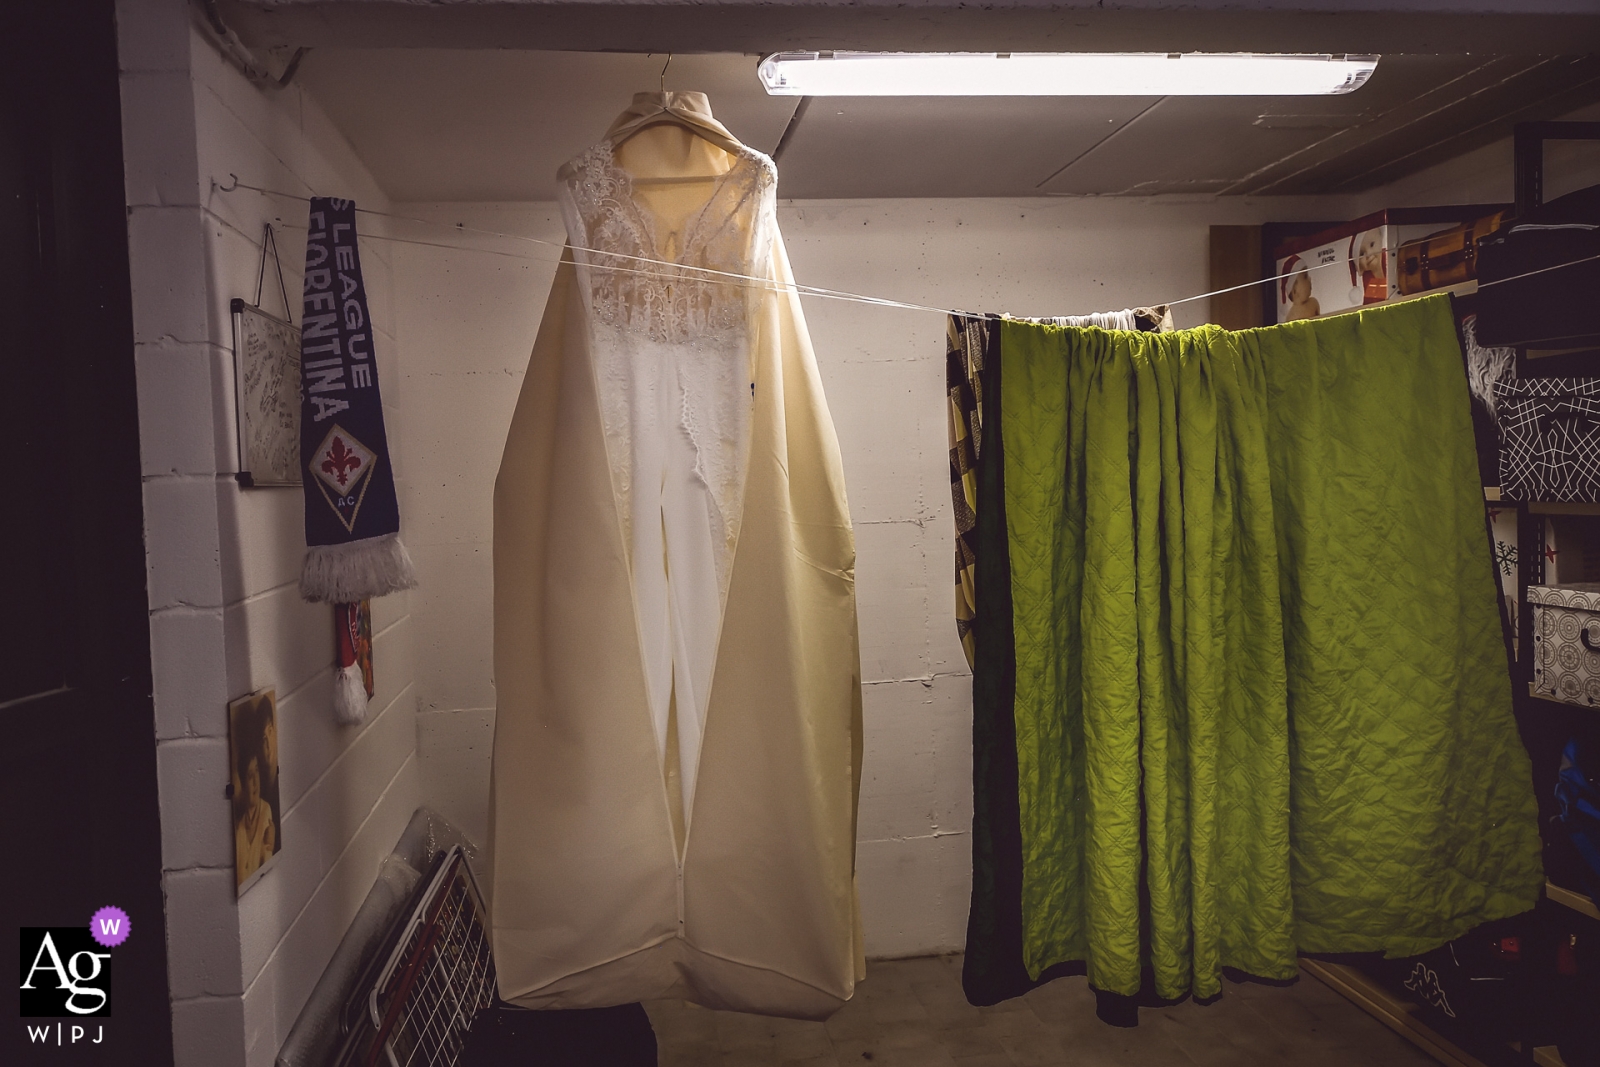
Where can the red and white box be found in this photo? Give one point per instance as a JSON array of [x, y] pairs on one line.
[[1354, 264]]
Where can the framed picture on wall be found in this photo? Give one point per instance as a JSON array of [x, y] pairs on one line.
[[266, 353], [253, 755]]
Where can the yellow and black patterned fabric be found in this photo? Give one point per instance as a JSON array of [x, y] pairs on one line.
[[966, 338]]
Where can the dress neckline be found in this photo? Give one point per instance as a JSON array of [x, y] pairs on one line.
[[647, 219]]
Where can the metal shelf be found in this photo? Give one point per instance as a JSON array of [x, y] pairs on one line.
[[1562, 507], [1549, 699], [1465, 288], [1398, 1015], [1492, 497], [1401, 1015]]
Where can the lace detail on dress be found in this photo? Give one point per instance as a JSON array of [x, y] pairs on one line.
[[672, 300], [668, 332]]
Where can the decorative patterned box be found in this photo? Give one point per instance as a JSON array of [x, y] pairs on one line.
[[1566, 641], [1549, 438]]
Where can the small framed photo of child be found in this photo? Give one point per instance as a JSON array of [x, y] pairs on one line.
[[253, 751]]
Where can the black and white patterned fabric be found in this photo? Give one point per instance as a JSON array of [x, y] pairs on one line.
[[1550, 438]]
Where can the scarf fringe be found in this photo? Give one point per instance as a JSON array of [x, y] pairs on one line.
[[358, 570], [349, 696]]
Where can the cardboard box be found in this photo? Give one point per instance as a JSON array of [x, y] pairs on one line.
[[1356, 263]]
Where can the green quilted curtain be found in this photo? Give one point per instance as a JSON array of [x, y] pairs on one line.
[[1414, 817], [1240, 687]]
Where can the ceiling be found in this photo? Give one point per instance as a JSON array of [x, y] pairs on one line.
[[1361, 26], [494, 125]]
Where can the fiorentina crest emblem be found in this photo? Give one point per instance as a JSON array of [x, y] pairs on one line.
[[342, 467]]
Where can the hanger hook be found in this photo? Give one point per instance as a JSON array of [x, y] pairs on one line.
[[227, 188], [664, 67]]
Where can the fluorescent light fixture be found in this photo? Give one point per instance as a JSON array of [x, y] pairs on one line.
[[1060, 74]]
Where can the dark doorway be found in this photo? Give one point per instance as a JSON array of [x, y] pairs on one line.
[[79, 822]]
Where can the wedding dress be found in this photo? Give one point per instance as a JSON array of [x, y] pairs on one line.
[[678, 738]]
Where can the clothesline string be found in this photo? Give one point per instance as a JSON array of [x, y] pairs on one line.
[[678, 270]]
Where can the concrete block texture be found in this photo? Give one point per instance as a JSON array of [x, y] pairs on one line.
[[277, 992], [914, 894], [310, 741], [450, 500], [169, 275], [206, 1030], [454, 610], [158, 153], [874, 405], [153, 35], [893, 598], [917, 764], [455, 750], [196, 824], [182, 549], [202, 933], [277, 639], [318, 827], [265, 529], [189, 663], [182, 393]]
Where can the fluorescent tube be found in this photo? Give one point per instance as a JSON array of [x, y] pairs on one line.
[[1060, 74]]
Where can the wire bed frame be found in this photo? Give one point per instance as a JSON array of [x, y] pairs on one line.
[[438, 978]]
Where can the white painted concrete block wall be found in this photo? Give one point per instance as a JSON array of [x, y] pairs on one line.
[[469, 317], [223, 563]]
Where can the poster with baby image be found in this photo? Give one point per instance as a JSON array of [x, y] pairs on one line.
[[253, 755], [1355, 264], [1348, 272]]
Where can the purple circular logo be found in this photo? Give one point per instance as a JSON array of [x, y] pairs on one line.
[[110, 926]]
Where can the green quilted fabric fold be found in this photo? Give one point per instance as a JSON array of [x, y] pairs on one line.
[[1144, 576], [1261, 699], [1414, 815]]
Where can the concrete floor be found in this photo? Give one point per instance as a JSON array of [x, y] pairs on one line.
[[912, 1013]]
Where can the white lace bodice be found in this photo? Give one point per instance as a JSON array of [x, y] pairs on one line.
[[668, 327], [676, 299]]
